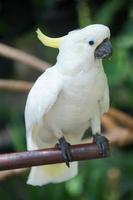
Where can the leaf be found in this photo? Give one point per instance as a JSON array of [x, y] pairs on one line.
[[106, 14]]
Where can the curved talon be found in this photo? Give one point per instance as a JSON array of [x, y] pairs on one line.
[[102, 143], [64, 146]]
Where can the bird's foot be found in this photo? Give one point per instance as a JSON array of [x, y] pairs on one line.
[[102, 143], [64, 146]]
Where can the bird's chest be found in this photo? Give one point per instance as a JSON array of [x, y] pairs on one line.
[[84, 90], [78, 100]]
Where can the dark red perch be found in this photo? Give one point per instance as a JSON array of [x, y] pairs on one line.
[[48, 156]]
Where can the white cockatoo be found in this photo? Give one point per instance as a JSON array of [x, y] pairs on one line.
[[67, 99]]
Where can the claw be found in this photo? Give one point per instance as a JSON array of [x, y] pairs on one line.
[[102, 143], [64, 146]]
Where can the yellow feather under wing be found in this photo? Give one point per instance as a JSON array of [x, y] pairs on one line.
[[54, 173]]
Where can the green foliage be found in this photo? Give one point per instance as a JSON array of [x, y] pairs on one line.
[[106, 14], [16, 135]]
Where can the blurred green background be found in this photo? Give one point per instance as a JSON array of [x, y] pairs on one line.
[[108, 179]]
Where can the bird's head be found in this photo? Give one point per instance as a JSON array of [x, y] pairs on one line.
[[83, 47]]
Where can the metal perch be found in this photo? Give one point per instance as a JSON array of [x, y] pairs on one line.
[[48, 156]]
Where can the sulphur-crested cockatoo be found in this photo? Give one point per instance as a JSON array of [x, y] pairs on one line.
[[67, 99]]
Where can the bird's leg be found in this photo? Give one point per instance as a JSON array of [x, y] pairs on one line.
[[64, 146], [102, 143], [100, 140]]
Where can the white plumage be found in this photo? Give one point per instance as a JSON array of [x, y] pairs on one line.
[[67, 99]]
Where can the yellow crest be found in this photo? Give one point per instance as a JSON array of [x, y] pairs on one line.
[[48, 41]]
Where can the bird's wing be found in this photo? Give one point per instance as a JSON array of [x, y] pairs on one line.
[[104, 102], [42, 97]]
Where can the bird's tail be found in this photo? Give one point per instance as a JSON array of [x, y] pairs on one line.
[[52, 173]]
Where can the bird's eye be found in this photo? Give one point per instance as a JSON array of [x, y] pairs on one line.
[[91, 42]]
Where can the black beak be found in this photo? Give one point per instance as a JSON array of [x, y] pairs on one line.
[[104, 50]]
